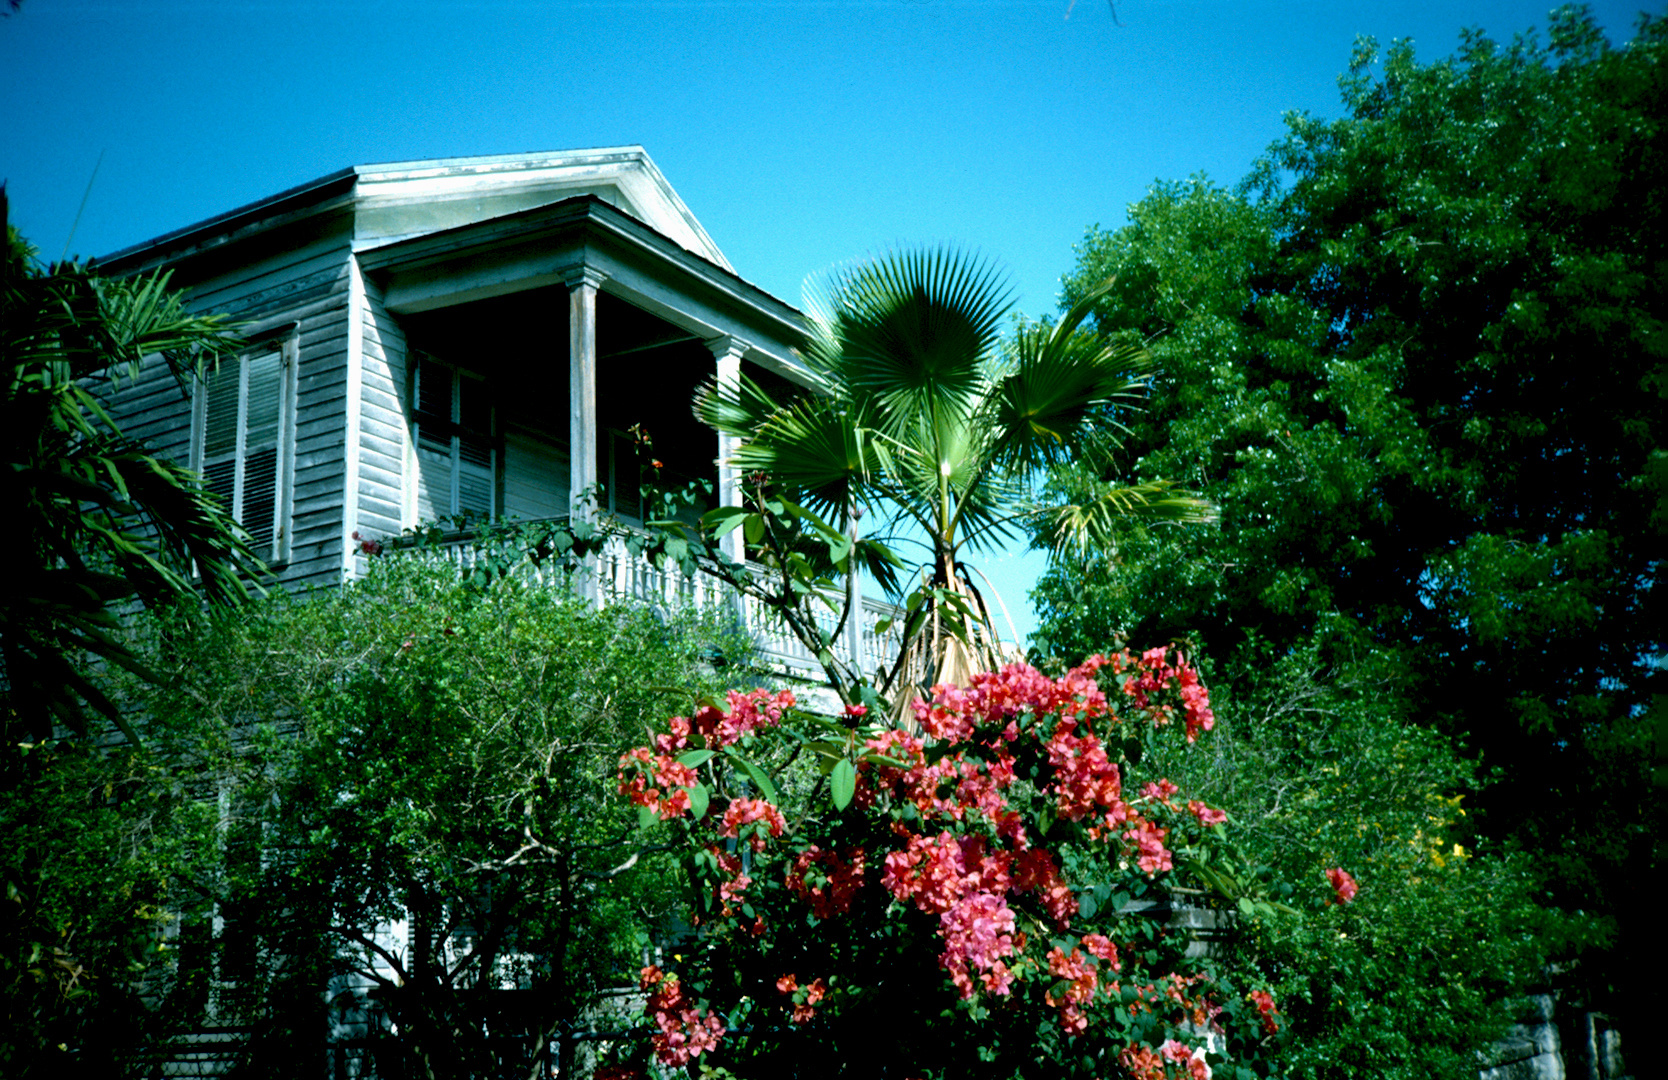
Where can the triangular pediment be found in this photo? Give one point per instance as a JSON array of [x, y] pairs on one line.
[[403, 200]]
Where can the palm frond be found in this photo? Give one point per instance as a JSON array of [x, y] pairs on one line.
[[1094, 520], [815, 448], [909, 333], [1064, 380]]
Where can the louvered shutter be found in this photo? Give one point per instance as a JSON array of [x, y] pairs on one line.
[[242, 453], [262, 427], [475, 456], [222, 398]]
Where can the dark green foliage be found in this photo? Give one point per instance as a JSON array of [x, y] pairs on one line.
[[94, 843], [91, 842], [1321, 769], [95, 520], [415, 750], [1418, 361]]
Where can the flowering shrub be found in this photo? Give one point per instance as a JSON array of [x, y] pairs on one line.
[[986, 895]]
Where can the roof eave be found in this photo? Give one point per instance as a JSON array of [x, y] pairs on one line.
[[297, 202]]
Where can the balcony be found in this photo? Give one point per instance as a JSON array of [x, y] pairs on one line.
[[622, 577]]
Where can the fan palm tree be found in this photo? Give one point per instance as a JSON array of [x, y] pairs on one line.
[[923, 412]]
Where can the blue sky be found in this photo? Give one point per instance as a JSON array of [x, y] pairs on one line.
[[802, 133]]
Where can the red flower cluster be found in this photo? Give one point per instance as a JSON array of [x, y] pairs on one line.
[[998, 766], [1342, 884], [1084, 978], [1155, 673], [656, 776], [732, 886], [1085, 780], [1145, 1063], [743, 813], [1207, 816], [1181, 1054], [664, 773], [684, 1031], [998, 697], [1264, 1001], [837, 880], [748, 712], [1151, 854], [805, 998]]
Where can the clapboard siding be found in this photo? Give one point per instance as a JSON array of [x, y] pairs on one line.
[[320, 446], [260, 289], [384, 429], [148, 408], [280, 277]]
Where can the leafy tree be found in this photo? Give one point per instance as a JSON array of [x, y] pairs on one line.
[[921, 416], [96, 843], [412, 751], [97, 521], [1425, 966], [1417, 359]]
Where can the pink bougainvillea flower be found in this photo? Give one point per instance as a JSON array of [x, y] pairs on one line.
[[1205, 814], [1342, 884], [842, 877], [1142, 1062], [744, 812], [1152, 856], [1159, 792], [684, 1031]]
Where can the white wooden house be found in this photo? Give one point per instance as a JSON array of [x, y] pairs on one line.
[[459, 336], [468, 336]]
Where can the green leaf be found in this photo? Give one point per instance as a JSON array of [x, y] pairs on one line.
[[698, 799], [696, 758], [843, 783], [757, 775], [724, 519], [646, 817]]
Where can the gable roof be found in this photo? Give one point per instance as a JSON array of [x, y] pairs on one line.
[[400, 200]]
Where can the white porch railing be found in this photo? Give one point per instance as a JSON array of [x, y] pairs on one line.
[[622, 577]]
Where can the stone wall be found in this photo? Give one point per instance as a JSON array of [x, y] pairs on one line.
[[1547, 1044]]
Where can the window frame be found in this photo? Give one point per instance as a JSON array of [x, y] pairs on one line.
[[275, 547], [455, 431]]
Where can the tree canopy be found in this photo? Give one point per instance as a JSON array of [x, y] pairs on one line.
[[1417, 358]]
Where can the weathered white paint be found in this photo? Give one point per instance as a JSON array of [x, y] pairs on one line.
[[352, 404], [728, 353]]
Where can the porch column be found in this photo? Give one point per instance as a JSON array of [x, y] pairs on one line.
[[582, 283], [728, 351]]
